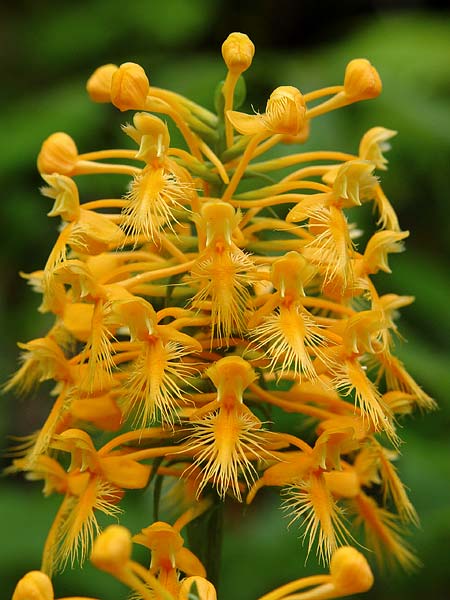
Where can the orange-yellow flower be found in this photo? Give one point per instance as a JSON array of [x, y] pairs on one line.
[[226, 436], [285, 114], [156, 377], [223, 272], [289, 332]]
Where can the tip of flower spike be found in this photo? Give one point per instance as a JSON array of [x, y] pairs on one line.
[[59, 154], [350, 571], [98, 85], [361, 81], [112, 549], [129, 87], [238, 51], [35, 585]]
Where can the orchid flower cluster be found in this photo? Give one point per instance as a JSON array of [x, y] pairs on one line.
[[215, 293]]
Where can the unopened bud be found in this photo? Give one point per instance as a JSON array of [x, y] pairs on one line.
[[129, 87], [112, 549], [203, 589], [238, 51], [99, 83], [58, 154], [285, 110], [361, 81], [35, 585], [350, 571]]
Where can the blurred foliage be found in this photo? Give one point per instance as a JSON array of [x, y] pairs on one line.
[[46, 58]]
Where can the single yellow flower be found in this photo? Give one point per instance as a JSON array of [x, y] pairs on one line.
[[289, 332], [285, 114], [228, 436], [155, 379], [222, 271], [310, 500], [169, 556], [153, 197]]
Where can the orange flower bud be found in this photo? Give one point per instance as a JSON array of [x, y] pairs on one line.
[[361, 81], [129, 87], [205, 589], [35, 585], [238, 51], [350, 571], [58, 154], [112, 549], [98, 85]]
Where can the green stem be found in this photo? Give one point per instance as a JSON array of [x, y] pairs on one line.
[[205, 534]]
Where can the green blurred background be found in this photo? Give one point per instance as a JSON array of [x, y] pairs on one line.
[[47, 51]]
